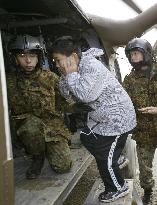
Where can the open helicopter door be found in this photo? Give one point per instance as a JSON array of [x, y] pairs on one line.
[[6, 158]]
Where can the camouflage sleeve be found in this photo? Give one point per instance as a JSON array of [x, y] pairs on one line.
[[50, 78], [11, 82], [127, 84], [47, 103], [62, 104]]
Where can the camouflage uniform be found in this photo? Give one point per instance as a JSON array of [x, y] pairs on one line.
[[36, 119], [142, 89]]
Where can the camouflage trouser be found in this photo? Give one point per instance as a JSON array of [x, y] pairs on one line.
[[58, 155], [145, 158], [31, 132]]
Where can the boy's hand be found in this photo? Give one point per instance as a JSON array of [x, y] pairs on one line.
[[68, 65]]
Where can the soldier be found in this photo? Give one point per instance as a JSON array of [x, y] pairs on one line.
[[34, 104], [141, 85]]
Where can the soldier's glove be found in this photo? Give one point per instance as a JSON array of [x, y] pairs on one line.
[[81, 107]]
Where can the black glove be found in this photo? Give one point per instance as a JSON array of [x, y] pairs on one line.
[[81, 107]]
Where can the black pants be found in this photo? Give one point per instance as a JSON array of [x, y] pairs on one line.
[[106, 150]]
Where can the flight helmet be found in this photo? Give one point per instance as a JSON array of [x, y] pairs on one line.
[[24, 43], [144, 47]]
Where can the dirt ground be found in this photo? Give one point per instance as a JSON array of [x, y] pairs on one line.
[[81, 190]]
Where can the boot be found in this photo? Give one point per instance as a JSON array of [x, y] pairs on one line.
[[35, 168]]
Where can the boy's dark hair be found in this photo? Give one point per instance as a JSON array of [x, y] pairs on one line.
[[66, 45]]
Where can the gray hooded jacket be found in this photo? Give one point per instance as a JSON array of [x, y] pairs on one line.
[[113, 112]]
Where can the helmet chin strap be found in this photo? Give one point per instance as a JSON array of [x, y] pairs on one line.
[[138, 65]]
